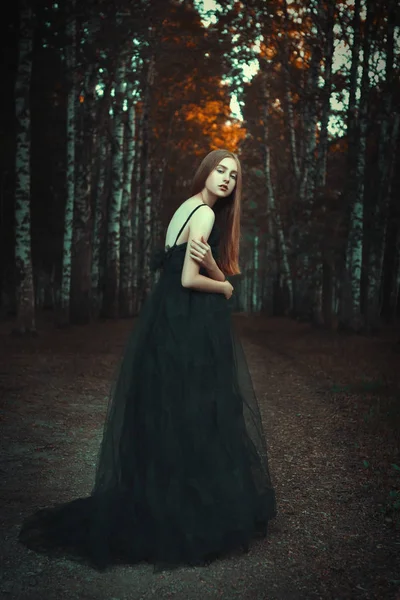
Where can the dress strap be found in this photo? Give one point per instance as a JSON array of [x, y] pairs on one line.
[[184, 225]]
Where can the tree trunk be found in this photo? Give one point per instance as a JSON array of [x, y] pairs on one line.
[[246, 292], [309, 289], [350, 288], [288, 101], [136, 230], [64, 316], [310, 132], [256, 275], [355, 243], [272, 212], [145, 185], [25, 297], [352, 143], [112, 282], [81, 236], [388, 137], [268, 270], [395, 295], [126, 291], [325, 287], [98, 226], [320, 176], [304, 167], [148, 231], [327, 294]]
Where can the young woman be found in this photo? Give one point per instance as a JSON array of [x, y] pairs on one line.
[[182, 473]]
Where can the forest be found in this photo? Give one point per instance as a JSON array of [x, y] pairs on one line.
[[108, 108]]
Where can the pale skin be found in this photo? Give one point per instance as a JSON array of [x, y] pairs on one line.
[[219, 184]]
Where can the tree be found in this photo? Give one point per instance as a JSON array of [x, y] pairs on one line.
[[70, 172], [23, 259]]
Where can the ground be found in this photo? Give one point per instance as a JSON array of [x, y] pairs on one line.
[[331, 410]]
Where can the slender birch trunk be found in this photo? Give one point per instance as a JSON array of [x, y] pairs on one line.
[[272, 210], [288, 100], [164, 161], [352, 143], [303, 167], [256, 284], [320, 176], [64, 315], [114, 217], [393, 153], [324, 290], [245, 291], [81, 283], [311, 289], [148, 230], [126, 288], [25, 296], [136, 221], [395, 287], [268, 270], [81, 265], [346, 292], [310, 133], [158, 230], [98, 225], [388, 135], [145, 183], [355, 244]]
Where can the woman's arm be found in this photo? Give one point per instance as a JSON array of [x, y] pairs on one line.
[[215, 273], [200, 227], [206, 284], [201, 252]]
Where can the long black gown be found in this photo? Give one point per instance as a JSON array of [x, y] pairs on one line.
[[182, 473]]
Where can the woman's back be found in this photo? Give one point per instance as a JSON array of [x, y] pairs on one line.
[[178, 219]]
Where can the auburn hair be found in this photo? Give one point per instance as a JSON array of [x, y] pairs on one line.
[[227, 210]]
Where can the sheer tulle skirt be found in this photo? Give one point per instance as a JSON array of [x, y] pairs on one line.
[[182, 473]]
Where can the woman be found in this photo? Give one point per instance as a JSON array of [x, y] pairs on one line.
[[182, 474]]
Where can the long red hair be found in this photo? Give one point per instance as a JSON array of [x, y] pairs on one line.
[[227, 210]]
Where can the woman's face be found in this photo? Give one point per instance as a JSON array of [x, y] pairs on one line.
[[222, 180]]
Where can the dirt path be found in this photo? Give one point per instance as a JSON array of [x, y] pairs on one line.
[[330, 414]]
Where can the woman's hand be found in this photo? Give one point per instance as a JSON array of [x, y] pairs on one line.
[[201, 252], [228, 289]]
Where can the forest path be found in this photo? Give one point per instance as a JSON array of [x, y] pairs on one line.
[[330, 414]]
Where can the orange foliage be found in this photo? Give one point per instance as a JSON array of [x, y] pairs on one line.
[[214, 119], [299, 63], [267, 52]]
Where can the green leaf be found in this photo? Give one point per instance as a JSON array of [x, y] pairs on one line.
[[366, 464], [396, 467]]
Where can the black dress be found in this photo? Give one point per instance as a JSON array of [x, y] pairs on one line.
[[182, 473]]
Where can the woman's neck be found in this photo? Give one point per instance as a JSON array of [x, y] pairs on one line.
[[207, 197]]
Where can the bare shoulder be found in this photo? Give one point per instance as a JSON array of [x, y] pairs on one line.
[[206, 214], [197, 220], [193, 202], [201, 222]]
